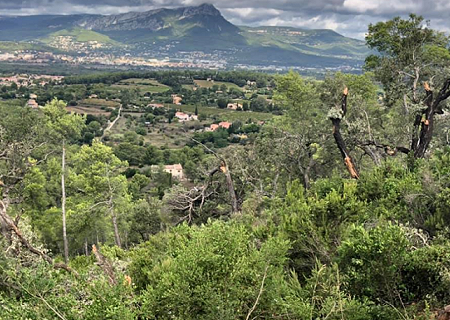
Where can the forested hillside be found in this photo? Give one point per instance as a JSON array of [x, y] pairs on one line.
[[285, 198]]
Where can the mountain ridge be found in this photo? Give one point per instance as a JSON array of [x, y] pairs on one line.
[[200, 28]]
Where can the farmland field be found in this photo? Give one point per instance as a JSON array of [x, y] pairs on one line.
[[226, 114], [172, 135], [99, 103], [88, 110], [143, 85], [209, 84]]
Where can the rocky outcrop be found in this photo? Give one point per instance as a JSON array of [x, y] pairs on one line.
[[153, 20]]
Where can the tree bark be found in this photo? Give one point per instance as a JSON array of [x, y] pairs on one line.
[[306, 171], [230, 186], [375, 156], [4, 222], [348, 161], [116, 230], [63, 203], [424, 123], [86, 251]]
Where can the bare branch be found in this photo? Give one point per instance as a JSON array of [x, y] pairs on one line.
[[259, 294]]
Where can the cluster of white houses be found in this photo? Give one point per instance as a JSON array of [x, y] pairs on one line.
[[183, 117], [29, 80]]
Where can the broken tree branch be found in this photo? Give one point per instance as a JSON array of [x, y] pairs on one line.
[[424, 122], [104, 264], [226, 171], [10, 224], [336, 121]]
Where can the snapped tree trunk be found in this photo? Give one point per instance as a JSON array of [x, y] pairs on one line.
[[424, 123], [336, 121], [63, 203], [230, 186]]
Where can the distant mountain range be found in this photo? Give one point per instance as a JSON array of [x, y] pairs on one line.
[[169, 32]]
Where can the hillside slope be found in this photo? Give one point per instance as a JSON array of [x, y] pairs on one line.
[[167, 32]]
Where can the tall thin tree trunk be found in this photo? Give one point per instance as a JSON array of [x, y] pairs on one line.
[[230, 185], [4, 225], [306, 180], [63, 203], [116, 230], [86, 251]]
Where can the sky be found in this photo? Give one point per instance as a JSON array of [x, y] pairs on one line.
[[348, 17]]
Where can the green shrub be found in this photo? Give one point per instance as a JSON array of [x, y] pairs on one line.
[[372, 259], [214, 272]]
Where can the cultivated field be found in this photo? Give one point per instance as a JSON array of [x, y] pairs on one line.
[[143, 85], [210, 84], [226, 114]]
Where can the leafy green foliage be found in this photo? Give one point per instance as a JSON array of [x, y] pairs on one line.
[[366, 256], [214, 271]]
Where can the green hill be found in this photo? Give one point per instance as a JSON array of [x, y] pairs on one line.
[[324, 43], [80, 35]]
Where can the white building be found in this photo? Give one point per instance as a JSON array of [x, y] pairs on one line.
[[185, 117], [176, 170]]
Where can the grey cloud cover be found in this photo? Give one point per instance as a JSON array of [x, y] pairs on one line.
[[349, 17]]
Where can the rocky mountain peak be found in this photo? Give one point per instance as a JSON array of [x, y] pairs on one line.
[[203, 9]]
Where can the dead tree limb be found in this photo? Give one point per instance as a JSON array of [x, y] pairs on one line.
[[105, 265], [9, 223], [189, 202], [336, 121], [259, 294], [424, 122], [229, 180]]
